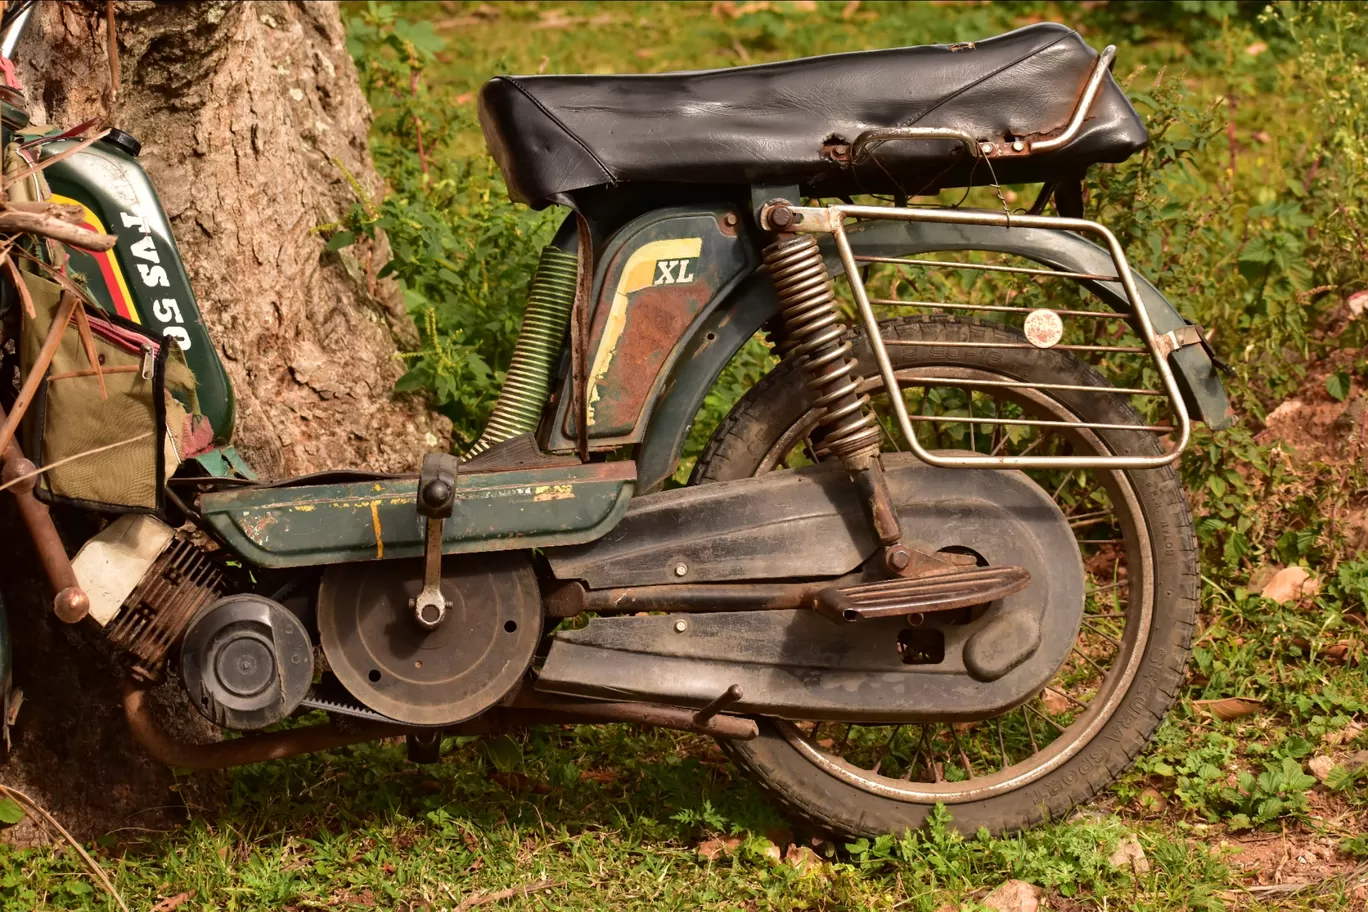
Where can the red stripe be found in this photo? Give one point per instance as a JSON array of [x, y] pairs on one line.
[[122, 305]]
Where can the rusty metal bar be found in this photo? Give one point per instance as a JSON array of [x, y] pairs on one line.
[[1021, 384], [1119, 349], [998, 308], [528, 709], [986, 267], [71, 603]]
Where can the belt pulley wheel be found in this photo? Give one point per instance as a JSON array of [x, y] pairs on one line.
[[430, 677]]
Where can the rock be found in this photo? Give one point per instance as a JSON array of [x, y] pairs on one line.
[[1014, 896], [1356, 761], [1152, 800], [1290, 583], [1320, 767], [1358, 302], [1129, 854]]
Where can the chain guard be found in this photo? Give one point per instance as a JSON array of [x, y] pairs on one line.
[[798, 664], [439, 677]]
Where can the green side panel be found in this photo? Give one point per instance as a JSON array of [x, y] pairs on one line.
[[370, 520], [143, 277]]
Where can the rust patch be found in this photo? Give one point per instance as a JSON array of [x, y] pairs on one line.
[[258, 528], [836, 148], [961, 46]]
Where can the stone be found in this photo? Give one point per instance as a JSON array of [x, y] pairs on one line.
[[801, 858], [1129, 854], [1014, 896], [1290, 583], [1320, 767]]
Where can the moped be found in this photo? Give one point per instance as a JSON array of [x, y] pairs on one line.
[[938, 554]]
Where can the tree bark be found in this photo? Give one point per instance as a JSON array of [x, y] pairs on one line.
[[253, 126], [251, 122]]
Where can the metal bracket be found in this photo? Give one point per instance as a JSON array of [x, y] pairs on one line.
[[436, 499], [1169, 342]]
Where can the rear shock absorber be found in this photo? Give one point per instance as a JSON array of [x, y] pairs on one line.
[[813, 329]]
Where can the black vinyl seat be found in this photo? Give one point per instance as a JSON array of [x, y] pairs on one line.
[[779, 123]]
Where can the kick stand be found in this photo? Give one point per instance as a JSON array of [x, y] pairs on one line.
[[436, 499]]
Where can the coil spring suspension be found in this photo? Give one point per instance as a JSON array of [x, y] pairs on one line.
[[813, 329], [528, 382]]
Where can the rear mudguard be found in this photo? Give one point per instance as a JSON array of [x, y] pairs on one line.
[[754, 303]]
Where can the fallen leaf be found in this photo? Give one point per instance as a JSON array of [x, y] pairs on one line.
[[1320, 767], [1129, 854], [801, 858], [173, 902], [711, 848], [773, 852], [1356, 761], [850, 9], [1257, 48], [1290, 583], [1228, 708], [601, 776], [1014, 896]]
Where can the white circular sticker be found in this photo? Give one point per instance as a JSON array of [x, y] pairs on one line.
[[1044, 329]]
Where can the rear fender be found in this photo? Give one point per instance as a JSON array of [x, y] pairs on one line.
[[754, 303]]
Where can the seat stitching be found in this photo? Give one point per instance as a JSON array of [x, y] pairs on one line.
[[984, 78], [568, 132]]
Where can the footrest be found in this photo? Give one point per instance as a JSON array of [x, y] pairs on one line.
[[943, 592]]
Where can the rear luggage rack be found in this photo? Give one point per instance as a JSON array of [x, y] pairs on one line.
[[1043, 328]]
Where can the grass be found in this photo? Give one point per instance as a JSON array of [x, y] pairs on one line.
[[618, 818]]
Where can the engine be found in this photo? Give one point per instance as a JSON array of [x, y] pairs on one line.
[[245, 660]]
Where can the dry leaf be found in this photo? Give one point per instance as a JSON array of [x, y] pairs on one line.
[[173, 902], [1229, 708], [850, 9], [711, 848]]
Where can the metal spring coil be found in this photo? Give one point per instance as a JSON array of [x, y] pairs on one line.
[[528, 382], [814, 328]]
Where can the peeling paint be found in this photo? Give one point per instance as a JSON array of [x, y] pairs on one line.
[[553, 492], [637, 274]]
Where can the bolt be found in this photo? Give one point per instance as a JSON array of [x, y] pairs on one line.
[[782, 217], [986, 148], [681, 626], [681, 568], [1018, 145], [729, 219], [899, 558]]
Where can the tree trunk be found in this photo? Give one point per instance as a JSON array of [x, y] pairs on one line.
[[251, 121]]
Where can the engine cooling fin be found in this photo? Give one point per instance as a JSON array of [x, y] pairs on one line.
[[181, 582]]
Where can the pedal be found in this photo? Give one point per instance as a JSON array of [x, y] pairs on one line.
[[942, 592]]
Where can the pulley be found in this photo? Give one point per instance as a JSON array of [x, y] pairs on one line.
[[438, 675]]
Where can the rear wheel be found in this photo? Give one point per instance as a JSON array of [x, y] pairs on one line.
[[1134, 532]]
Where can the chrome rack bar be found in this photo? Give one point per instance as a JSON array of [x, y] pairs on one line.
[[998, 308], [831, 220]]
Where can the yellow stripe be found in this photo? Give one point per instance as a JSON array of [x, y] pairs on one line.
[[375, 521], [93, 221]]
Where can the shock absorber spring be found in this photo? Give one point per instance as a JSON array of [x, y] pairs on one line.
[[813, 329]]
